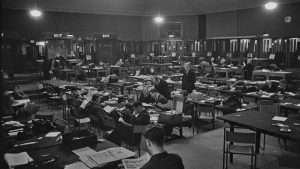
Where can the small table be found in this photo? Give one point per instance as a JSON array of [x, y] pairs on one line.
[[262, 122], [68, 72]]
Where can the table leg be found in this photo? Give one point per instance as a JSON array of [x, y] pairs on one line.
[[231, 143], [257, 146]]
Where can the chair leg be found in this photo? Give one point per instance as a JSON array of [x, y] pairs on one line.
[[264, 143], [223, 159], [251, 164]]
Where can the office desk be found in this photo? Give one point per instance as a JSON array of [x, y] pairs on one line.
[[289, 106], [262, 123], [65, 154], [271, 75], [117, 70], [227, 71]]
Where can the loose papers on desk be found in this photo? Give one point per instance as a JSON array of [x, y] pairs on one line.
[[109, 109], [17, 159], [278, 118], [136, 163], [110, 155], [77, 165], [52, 134]]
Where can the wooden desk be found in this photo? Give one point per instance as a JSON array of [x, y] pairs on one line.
[[65, 73], [227, 71], [118, 70], [271, 75]]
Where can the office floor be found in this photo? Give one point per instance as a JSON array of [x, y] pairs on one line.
[[205, 149]]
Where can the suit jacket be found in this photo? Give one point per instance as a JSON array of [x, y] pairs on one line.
[[97, 109], [163, 88], [164, 161], [188, 81], [143, 118]]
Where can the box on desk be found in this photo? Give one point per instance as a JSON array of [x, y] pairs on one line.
[[79, 139]]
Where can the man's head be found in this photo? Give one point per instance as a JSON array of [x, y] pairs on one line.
[[155, 139], [16, 88], [187, 66], [74, 91], [282, 83], [155, 80], [153, 93], [249, 61], [96, 98], [137, 107], [212, 59]]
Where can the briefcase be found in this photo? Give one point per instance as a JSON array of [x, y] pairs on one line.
[[79, 139]]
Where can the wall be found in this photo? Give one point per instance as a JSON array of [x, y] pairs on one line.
[[127, 27], [254, 21], [189, 22]]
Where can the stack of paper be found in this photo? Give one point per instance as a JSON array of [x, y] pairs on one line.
[[17, 159], [52, 134]]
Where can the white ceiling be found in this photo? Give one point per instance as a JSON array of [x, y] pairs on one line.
[[139, 7]]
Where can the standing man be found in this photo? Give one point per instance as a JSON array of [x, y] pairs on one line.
[[160, 159], [188, 79]]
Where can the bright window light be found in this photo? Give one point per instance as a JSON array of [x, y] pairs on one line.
[[159, 19], [271, 5], [35, 13]]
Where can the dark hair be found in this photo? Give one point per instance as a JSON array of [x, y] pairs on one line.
[[16, 87], [156, 135], [153, 90], [137, 104], [95, 97]]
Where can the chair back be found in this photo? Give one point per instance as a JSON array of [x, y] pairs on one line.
[[268, 106], [249, 99], [108, 122], [239, 137], [178, 103], [206, 112], [60, 124], [140, 128]]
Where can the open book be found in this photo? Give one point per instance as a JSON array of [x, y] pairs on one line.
[[136, 163]]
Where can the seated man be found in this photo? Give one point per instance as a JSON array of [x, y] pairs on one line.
[[74, 98], [18, 94], [158, 98], [270, 86], [282, 86], [162, 87], [123, 130], [94, 107], [160, 158]]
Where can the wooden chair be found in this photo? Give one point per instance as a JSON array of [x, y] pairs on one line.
[[79, 117], [60, 124], [205, 113], [240, 143], [133, 141]]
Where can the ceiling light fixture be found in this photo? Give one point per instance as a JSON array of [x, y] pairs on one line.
[[271, 5], [158, 19], [35, 12]]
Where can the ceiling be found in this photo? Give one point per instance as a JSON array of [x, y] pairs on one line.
[[138, 7]]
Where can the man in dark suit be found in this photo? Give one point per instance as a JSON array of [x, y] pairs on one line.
[[160, 159], [188, 79], [162, 87], [123, 130]]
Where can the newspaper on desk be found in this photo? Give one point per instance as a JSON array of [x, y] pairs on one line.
[[108, 155], [136, 163], [109, 109]]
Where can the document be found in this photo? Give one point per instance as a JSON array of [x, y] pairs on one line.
[[278, 118], [77, 165], [84, 151], [136, 163], [84, 103], [17, 159], [111, 154], [52, 134], [109, 109]]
